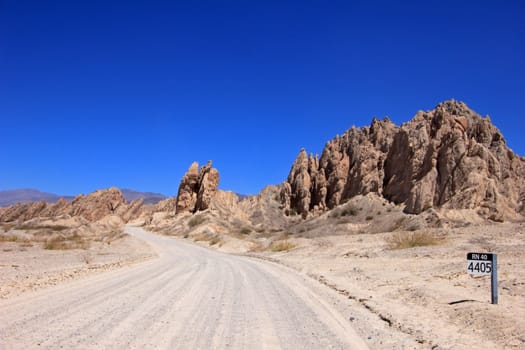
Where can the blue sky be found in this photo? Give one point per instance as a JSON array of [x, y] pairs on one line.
[[107, 93]]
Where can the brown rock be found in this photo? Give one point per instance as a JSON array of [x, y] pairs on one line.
[[449, 158], [197, 188], [98, 204], [92, 207]]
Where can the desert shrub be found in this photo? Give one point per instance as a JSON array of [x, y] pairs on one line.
[[369, 217], [350, 211], [257, 247], [404, 240], [334, 214], [208, 237], [63, 243], [9, 238], [196, 221], [246, 231], [281, 246], [215, 239], [413, 228], [55, 228]]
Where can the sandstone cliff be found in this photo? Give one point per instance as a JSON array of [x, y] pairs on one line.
[[449, 158], [197, 188]]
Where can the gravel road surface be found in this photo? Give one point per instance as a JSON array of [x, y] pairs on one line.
[[187, 298]]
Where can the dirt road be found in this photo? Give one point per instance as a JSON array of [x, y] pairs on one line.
[[188, 298]]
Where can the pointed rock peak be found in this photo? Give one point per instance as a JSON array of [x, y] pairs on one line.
[[194, 168], [455, 108], [197, 188]]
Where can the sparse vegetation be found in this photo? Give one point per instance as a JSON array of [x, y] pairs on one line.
[[257, 247], [281, 246], [208, 237], [349, 211], [11, 239], [404, 240], [369, 217], [196, 221], [215, 240], [246, 231], [55, 228], [62, 243]]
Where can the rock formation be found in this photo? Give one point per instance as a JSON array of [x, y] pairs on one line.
[[449, 157], [197, 188], [92, 207], [98, 204]]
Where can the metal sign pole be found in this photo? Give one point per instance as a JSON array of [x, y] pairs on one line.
[[494, 280]]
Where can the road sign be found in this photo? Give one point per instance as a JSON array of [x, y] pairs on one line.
[[485, 264], [479, 263]]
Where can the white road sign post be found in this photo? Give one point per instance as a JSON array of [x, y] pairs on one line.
[[484, 264]]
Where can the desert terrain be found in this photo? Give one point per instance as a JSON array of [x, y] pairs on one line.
[[187, 298], [362, 247]]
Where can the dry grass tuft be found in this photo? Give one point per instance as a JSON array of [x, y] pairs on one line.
[[281, 246], [55, 228], [245, 231], [210, 238], [10, 239], [257, 247], [216, 240], [64, 243], [404, 240], [196, 221]]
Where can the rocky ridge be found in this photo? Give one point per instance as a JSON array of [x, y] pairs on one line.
[[91, 207], [449, 158]]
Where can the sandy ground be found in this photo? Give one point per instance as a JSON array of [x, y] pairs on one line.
[[422, 297], [415, 298], [27, 267], [188, 298]]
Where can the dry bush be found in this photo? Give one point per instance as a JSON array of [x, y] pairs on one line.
[[55, 228], [9, 239], [207, 237], [216, 240], [257, 247], [404, 240], [196, 221], [64, 243], [349, 211], [246, 231], [281, 246]]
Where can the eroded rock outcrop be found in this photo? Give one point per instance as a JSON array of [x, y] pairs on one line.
[[197, 188], [449, 157], [91, 207]]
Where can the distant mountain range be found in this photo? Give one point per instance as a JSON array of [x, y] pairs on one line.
[[24, 195], [149, 197], [10, 197]]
